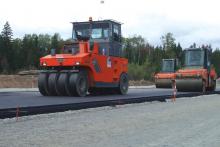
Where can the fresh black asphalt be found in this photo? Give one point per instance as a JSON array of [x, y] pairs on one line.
[[29, 99]]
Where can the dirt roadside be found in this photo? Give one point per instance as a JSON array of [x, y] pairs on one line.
[[30, 81], [18, 81]]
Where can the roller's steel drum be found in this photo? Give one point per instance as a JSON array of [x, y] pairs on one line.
[[163, 83], [189, 84]]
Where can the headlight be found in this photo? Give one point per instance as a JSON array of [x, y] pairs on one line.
[[77, 63], [44, 64]]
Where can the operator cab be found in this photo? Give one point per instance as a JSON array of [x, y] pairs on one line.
[[197, 57], [169, 65], [107, 33]]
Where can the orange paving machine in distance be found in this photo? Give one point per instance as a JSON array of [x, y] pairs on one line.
[[92, 62], [197, 73]]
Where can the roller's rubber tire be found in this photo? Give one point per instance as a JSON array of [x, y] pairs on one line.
[[123, 84], [78, 84], [71, 86], [52, 83], [62, 84], [42, 83]]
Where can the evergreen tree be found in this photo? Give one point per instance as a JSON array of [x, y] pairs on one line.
[[7, 32], [168, 41], [30, 51], [169, 45], [56, 42], [215, 60], [179, 54], [193, 45], [136, 49], [1, 52], [6, 51], [44, 43], [17, 49]]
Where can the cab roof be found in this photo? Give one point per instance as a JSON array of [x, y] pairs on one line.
[[99, 21]]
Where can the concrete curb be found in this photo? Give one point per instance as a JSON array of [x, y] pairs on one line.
[[142, 87], [36, 89], [18, 89]]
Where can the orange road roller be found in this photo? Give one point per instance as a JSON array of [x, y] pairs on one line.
[[166, 77], [197, 73], [91, 63]]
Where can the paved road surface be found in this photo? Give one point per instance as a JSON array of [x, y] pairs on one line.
[[24, 99]]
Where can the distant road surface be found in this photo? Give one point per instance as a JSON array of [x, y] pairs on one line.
[[189, 122]]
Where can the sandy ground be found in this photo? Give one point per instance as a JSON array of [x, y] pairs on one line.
[[30, 81], [188, 122], [18, 81]]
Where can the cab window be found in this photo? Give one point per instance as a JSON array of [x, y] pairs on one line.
[[96, 33], [105, 33], [116, 32]]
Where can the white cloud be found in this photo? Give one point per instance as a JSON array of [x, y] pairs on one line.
[[189, 20]]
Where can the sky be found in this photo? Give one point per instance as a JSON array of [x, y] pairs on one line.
[[189, 20]]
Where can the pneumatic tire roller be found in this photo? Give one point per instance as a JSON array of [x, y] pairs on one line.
[[91, 63]]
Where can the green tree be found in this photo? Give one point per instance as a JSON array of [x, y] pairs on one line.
[[193, 45], [6, 51], [136, 49], [56, 42], [179, 54], [215, 60], [7, 32], [44, 42], [30, 51], [168, 41], [156, 58], [17, 51], [169, 45], [178, 50], [1, 53]]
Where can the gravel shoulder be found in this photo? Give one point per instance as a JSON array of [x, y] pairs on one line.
[[189, 122]]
